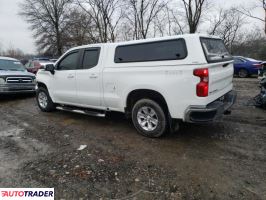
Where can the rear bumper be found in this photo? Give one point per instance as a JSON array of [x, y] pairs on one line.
[[17, 88], [213, 111]]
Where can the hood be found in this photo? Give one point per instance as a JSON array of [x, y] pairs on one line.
[[15, 73]]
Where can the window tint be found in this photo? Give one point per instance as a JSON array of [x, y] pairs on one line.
[[238, 61], [153, 51], [215, 50], [69, 62], [90, 58]]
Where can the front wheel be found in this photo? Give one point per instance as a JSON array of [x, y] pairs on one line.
[[44, 100], [149, 118]]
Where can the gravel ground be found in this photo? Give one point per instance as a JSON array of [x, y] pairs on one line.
[[225, 160]]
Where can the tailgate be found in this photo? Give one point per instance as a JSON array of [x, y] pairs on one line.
[[220, 66], [220, 77]]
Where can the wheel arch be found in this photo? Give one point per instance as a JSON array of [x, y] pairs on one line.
[[41, 84], [138, 94]]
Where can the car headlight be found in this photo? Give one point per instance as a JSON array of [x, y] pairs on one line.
[[34, 80], [2, 81]]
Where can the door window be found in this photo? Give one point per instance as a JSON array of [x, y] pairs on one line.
[[69, 62], [90, 58], [238, 61]]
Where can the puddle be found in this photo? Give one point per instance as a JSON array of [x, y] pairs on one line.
[[15, 150]]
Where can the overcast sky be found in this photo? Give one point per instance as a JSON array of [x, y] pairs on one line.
[[15, 32]]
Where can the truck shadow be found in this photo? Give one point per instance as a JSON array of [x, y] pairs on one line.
[[120, 125], [15, 97]]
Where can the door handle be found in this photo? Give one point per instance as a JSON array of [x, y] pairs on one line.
[[93, 76], [70, 76]]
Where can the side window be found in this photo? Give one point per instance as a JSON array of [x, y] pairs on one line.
[[238, 61], [37, 64], [90, 58], [27, 65], [151, 51], [69, 62]]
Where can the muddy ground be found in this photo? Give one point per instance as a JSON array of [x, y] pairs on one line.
[[225, 160]]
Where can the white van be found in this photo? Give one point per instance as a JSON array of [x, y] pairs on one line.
[[157, 82]]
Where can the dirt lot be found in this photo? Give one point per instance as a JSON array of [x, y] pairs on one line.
[[225, 160]]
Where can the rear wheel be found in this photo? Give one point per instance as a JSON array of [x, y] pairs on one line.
[[149, 118], [44, 100], [243, 73]]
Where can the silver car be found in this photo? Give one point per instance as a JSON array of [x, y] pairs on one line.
[[14, 78]]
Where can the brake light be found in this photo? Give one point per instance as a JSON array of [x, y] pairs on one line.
[[257, 65], [202, 88]]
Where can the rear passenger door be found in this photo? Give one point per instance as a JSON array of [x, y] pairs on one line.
[[89, 78]]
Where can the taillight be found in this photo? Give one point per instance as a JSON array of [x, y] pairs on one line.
[[203, 86], [257, 65]]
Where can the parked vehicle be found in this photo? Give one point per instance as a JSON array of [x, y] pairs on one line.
[[14, 78], [156, 82], [260, 99], [244, 67], [41, 59], [262, 71], [34, 65]]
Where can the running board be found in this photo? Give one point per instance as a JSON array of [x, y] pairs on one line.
[[80, 111]]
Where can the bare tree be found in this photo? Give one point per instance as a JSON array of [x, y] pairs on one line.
[[251, 43], [226, 25], [248, 11], [174, 19], [106, 16], [194, 10], [217, 21], [168, 22], [13, 52], [142, 15], [79, 28], [47, 19]]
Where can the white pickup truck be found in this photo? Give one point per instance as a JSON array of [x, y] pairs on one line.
[[157, 82]]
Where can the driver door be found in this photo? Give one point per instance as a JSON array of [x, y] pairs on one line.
[[64, 79]]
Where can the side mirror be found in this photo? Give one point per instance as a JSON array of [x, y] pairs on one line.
[[50, 68]]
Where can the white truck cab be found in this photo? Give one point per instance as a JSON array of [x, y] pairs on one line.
[[157, 82]]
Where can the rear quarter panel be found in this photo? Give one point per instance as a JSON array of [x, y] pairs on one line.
[[173, 79]]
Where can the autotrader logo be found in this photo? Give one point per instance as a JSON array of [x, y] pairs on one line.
[[27, 193]]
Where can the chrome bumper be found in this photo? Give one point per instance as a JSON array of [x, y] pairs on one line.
[[17, 88]]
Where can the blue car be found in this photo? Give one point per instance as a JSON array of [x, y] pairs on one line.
[[244, 67]]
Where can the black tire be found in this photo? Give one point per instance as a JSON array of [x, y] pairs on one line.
[[49, 106], [160, 115], [243, 73]]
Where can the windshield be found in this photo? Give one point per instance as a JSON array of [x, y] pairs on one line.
[[11, 65], [215, 50]]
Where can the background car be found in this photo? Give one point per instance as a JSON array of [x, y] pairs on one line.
[[244, 67], [14, 78], [34, 65], [41, 59]]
